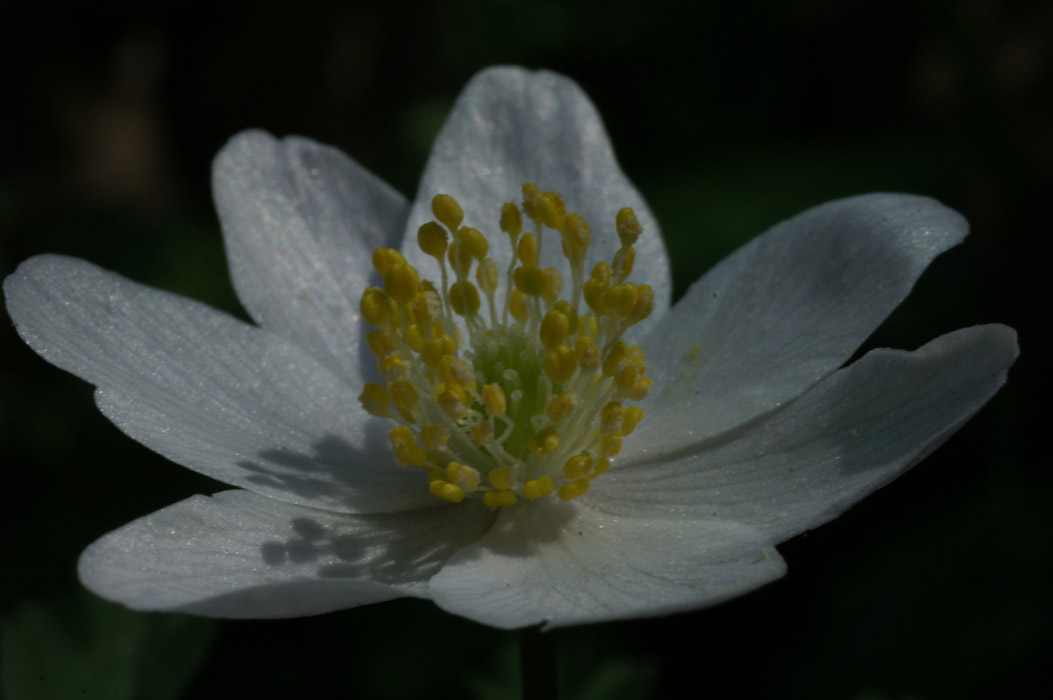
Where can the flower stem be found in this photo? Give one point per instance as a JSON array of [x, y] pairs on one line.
[[537, 662]]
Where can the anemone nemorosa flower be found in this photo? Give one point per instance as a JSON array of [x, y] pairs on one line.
[[484, 397]]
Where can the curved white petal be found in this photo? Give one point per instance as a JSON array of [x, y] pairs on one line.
[[788, 308], [300, 222], [511, 126], [207, 391], [238, 554], [797, 468], [563, 564]]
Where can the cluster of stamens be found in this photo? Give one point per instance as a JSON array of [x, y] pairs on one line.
[[526, 398]]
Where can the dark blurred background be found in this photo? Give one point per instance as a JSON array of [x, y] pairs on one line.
[[729, 117]]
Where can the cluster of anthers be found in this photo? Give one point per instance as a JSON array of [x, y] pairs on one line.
[[532, 403]]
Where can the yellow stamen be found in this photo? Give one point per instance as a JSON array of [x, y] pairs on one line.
[[375, 399], [494, 399], [446, 209], [431, 237], [574, 489], [384, 258], [401, 282], [538, 488], [501, 478], [477, 398]]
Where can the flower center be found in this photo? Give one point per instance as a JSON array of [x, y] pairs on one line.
[[524, 399]]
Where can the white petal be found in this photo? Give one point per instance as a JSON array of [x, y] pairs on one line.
[[789, 307], [207, 391], [300, 221], [238, 554], [511, 126], [803, 465], [564, 564]]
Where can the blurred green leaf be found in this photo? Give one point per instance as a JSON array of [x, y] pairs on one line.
[[85, 647]]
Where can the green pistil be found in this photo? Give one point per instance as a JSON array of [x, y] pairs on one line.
[[508, 348]]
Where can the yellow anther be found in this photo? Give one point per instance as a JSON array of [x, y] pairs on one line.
[[500, 478], [449, 344], [627, 375], [401, 282], [538, 488], [641, 388], [384, 258], [611, 418], [432, 351], [599, 466], [559, 407], [452, 401], [401, 435], [464, 298], [375, 399], [403, 395], [392, 368], [454, 370], [560, 364], [553, 285], [374, 306], [426, 307], [487, 276], [482, 433], [595, 295], [526, 249], [574, 489], [463, 476], [602, 273], [431, 237], [577, 466], [632, 417], [630, 294], [406, 448], [529, 279], [612, 297], [494, 399], [519, 305], [511, 220], [587, 353], [440, 488], [576, 238], [643, 306], [622, 265], [552, 210], [611, 446], [447, 210], [414, 338], [532, 201], [564, 307], [630, 368], [381, 342], [434, 437], [472, 243], [612, 364], [628, 226], [554, 329], [543, 441], [499, 499], [460, 259]]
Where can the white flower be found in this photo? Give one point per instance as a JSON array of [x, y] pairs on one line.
[[752, 432]]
